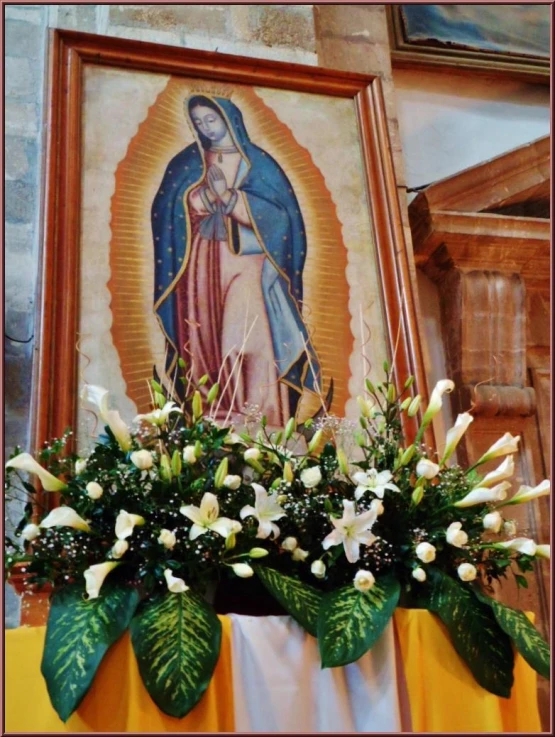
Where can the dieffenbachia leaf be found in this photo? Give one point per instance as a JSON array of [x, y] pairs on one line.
[[351, 621], [299, 599], [176, 639], [528, 641], [78, 634], [475, 634]]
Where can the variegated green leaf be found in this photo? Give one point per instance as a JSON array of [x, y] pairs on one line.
[[351, 621], [78, 634], [528, 641], [475, 634], [176, 639], [299, 599]]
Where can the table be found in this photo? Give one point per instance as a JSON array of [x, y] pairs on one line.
[[268, 678]]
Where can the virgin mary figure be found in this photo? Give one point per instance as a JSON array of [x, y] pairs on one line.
[[230, 248]]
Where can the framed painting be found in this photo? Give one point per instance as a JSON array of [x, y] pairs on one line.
[[238, 214], [502, 39]]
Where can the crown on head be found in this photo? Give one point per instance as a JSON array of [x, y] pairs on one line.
[[211, 90]]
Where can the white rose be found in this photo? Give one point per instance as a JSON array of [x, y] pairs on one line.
[[311, 477], [232, 482], [30, 532], [493, 521], [142, 459], [243, 570], [419, 574], [376, 505], [252, 454], [299, 554], [509, 527], [189, 454], [455, 536], [167, 539], [80, 466], [175, 585], [425, 552], [467, 572], [290, 543], [318, 569], [363, 581], [427, 469], [119, 548], [94, 490]]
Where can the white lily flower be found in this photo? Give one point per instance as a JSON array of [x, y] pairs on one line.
[[502, 472], [80, 466], [311, 477], [26, 462], [206, 517], [351, 530], [456, 536], [266, 510], [142, 459], [455, 434], [125, 522], [119, 548], [243, 570], [99, 397], [375, 481], [65, 517], [523, 545], [30, 532], [434, 406], [467, 572], [159, 417], [94, 490], [95, 575], [167, 538], [527, 493], [484, 495], [492, 521], [543, 551], [175, 585], [427, 469], [502, 447], [363, 581]]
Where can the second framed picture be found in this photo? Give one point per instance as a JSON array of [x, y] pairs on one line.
[[235, 216]]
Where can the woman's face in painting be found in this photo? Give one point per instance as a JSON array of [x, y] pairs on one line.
[[210, 124]]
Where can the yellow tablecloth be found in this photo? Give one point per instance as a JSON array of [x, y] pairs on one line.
[[442, 693]]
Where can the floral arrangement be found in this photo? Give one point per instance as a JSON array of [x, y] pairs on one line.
[[341, 522]]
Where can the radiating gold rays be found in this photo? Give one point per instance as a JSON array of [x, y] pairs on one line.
[[164, 133]]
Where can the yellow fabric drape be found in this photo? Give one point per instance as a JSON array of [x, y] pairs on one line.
[[443, 695], [117, 700]]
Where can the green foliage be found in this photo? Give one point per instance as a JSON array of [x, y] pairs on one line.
[[299, 599], [78, 635], [176, 639], [351, 621]]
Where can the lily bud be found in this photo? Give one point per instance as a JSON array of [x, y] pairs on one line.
[[371, 388], [159, 399], [197, 406], [414, 406], [290, 428], [427, 469], [409, 382], [315, 442], [288, 472], [213, 393], [230, 541], [365, 406], [405, 404], [417, 495], [342, 461], [197, 449], [391, 393], [221, 473], [165, 468], [203, 379], [407, 455], [258, 553], [176, 463]]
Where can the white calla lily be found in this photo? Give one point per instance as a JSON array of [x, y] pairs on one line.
[[243, 570], [434, 406], [206, 517], [159, 417], [26, 462], [374, 481], [175, 585], [95, 575], [351, 530], [528, 493], [483, 495], [65, 517], [30, 532], [455, 434], [120, 548], [506, 445], [524, 545], [543, 551], [98, 396], [125, 523], [266, 510], [504, 471]]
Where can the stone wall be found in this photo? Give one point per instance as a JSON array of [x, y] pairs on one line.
[[341, 36]]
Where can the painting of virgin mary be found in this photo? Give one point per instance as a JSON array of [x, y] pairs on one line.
[[230, 247]]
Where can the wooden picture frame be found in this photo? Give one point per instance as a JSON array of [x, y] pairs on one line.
[[410, 55], [55, 407]]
